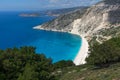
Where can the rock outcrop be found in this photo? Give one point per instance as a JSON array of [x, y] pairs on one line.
[[100, 19]]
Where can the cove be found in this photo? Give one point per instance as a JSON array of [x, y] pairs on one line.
[[16, 31]]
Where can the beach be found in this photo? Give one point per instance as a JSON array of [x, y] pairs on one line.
[[83, 50], [83, 53]]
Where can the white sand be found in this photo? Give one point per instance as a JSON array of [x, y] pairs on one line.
[[83, 51], [37, 27]]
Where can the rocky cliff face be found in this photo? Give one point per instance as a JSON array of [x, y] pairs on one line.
[[63, 22], [97, 23]]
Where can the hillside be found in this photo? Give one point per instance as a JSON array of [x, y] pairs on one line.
[[98, 24], [92, 23], [102, 64], [58, 12], [24, 64], [91, 73], [62, 23]]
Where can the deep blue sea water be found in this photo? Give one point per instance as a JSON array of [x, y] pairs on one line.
[[16, 31]]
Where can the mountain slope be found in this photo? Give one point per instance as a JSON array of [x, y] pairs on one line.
[[99, 19], [59, 12], [62, 23], [93, 23], [91, 73]]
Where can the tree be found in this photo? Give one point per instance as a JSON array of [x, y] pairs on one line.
[[63, 63], [28, 74], [24, 64], [106, 53]]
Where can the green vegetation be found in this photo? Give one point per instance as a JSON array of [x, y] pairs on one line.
[[25, 64], [87, 72], [106, 53], [63, 64], [111, 31], [103, 63]]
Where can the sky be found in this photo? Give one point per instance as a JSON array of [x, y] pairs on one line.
[[17, 5]]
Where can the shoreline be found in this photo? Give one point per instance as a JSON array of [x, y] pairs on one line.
[[39, 28], [83, 50], [82, 53]]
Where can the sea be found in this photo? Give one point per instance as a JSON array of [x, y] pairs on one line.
[[17, 31]]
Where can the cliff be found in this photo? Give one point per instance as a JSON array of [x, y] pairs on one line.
[[63, 22], [98, 23]]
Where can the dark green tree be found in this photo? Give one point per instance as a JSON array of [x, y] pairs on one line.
[[63, 64], [106, 53], [24, 64]]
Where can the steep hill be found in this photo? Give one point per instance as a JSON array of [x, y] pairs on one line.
[[63, 22], [98, 23], [91, 73], [58, 12]]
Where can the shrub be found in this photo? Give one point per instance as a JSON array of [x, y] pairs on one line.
[[106, 53]]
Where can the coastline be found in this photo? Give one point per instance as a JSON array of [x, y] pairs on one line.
[[39, 28], [83, 50], [83, 53]]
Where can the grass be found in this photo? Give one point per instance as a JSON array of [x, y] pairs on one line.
[[86, 72]]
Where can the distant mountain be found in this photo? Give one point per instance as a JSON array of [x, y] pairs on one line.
[[58, 12], [29, 15]]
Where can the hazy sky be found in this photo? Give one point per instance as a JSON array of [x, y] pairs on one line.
[[42, 4]]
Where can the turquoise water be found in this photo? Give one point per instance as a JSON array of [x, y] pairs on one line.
[[16, 31]]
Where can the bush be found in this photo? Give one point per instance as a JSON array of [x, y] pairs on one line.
[[24, 64], [106, 53], [63, 64]]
